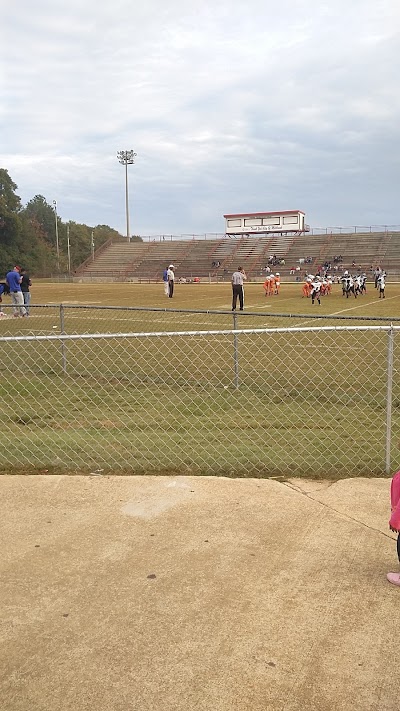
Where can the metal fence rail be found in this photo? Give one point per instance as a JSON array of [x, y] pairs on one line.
[[313, 400], [46, 319]]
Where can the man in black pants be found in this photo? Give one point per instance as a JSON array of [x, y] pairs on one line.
[[171, 280], [237, 288], [25, 284]]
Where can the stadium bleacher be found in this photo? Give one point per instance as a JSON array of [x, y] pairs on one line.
[[218, 258]]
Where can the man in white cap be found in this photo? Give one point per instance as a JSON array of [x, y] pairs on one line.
[[171, 280]]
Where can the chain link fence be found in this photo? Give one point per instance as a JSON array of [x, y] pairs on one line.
[[46, 319], [293, 400]]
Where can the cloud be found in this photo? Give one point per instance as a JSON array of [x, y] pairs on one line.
[[230, 106]]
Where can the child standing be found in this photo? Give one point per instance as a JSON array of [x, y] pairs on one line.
[[394, 523], [381, 285], [316, 290]]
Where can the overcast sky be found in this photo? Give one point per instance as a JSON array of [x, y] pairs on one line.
[[231, 106]]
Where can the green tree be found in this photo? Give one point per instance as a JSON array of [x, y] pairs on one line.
[[9, 200], [104, 232], [28, 235], [10, 223], [38, 257], [80, 242], [39, 225], [41, 212]]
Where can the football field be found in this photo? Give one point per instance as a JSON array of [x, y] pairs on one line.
[[206, 296], [100, 393]]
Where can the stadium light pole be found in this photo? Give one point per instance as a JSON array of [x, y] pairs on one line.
[[57, 243], [126, 158]]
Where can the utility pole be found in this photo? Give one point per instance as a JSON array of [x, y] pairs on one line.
[[57, 244], [126, 158], [68, 252]]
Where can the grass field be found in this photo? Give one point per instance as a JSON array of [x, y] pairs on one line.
[[217, 296], [308, 403], [259, 311]]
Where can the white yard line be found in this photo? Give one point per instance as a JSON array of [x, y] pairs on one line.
[[351, 308], [387, 298]]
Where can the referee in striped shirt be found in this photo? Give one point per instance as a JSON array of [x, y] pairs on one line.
[[237, 288]]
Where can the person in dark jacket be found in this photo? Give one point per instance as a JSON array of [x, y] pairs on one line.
[[4, 289], [25, 284]]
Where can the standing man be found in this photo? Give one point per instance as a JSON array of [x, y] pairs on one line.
[[237, 288], [171, 280], [25, 284], [13, 279]]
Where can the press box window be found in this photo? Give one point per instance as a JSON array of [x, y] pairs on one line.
[[271, 221], [252, 221]]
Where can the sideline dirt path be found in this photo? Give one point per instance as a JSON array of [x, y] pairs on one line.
[[173, 594]]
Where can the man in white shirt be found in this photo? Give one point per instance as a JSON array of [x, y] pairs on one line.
[[237, 288], [171, 280]]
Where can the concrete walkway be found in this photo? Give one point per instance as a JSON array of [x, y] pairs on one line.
[[173, 594]]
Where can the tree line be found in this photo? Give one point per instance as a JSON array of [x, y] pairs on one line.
[[28, 235]]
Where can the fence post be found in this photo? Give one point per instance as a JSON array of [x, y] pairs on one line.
[[63, 347], [235, 351], [389, 396]]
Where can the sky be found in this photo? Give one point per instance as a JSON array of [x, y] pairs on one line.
[[231, 107]]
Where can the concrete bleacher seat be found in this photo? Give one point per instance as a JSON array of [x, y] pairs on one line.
[[195, 257]]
